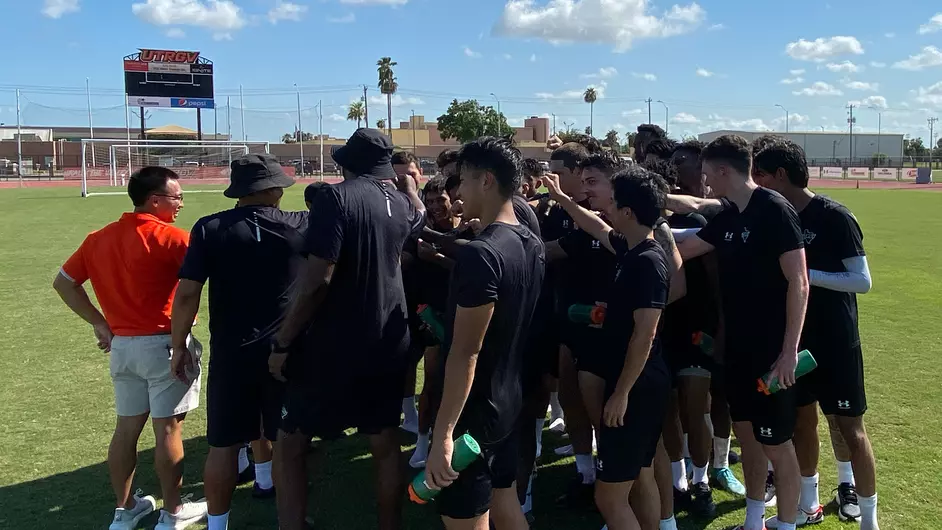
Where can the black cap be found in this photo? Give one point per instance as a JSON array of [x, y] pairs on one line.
[[312, 189], [254, 173], [367, 153]]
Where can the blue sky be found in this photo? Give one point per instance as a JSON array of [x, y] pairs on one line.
[[714, 63]]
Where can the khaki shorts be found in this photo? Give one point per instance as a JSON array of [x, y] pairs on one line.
[[140, 371]]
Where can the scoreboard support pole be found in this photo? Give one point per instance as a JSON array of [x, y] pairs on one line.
[[199, 124]]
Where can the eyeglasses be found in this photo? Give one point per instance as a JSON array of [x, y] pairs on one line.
[[171, 197]]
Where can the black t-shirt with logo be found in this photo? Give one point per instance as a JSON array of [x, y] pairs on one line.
[[251, 256], [361, 225], [831, 234], [695, 311], [525, 214], [641, 281], [503, 265], [748, 247], [592, 268]]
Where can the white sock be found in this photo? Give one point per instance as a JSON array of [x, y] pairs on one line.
[[700, 475], [770, 466], [709, 423], [243, 459], [421, 444], [667, 524], [679, 474], [586, 467], [539, 436], [409, 410], [845, 473], [868, 512], [556, 410], [263, 475], [686, 445], [218, 522], [808, 500], [755, 515], [720, 452]]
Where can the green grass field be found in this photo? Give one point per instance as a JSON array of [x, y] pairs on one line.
[[56, 410]]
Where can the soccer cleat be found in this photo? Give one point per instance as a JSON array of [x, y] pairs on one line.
[[770, 499], [682, 500], [742, 527], [190, 513], [846, 499], [128, 519], [802, 519], [578, 495], [558, 426], [565, 450], [733, 458], [260, 493], [727, 481], [701, 503]]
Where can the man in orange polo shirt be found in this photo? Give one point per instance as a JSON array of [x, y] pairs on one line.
[[133, 264]]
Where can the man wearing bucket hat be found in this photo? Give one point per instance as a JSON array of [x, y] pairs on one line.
[[345, 336], [251, 254]]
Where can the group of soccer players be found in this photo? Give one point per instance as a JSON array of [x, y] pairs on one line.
[[648, 297]]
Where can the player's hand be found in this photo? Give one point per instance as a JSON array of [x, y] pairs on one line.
[[554, 143], [457, 208], [276, 365], [784, 368], [613, 415], [180, 361], [438, 471], [104, 336], [474, 224], [407, 184], [551, 181], [427, 252]]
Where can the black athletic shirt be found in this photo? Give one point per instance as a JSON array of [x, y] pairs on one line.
[[592, 267], [831, 235], [748, 247], [525, 214], [504, 265], [361, 225], [695, 311], [641, 281], [251, 255]]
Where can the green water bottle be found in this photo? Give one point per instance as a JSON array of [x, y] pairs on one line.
[[589, 314], [427, 314], [704, 341], [806, 364], [466, 452]]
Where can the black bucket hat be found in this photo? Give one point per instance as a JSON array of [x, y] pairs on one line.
[[253, 173], [367, 153]]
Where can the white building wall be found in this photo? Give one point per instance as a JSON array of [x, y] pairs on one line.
[[825, 145]]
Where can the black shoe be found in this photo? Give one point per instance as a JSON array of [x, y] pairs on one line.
[[578, 495], [247, 475], [682, 500], [846, 499], [259, 493], [530, 518], [733, 458], [701, 503]]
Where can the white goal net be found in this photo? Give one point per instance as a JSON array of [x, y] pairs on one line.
[[108, 164]]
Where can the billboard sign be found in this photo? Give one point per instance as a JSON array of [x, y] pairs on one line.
[[168, 78], [910, 173], [814, 172], [832, 172], [886, 173], [859, 172]]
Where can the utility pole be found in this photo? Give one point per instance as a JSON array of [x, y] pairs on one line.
[[931, 139], [91, 127], [879, 127], [850, 123], [667, 127], [300, 129], [366, 108], [498, 114], [242, 111], [413, 131], [19, 141], [786, 117], [554, 124], [320, 132], [648, 101]]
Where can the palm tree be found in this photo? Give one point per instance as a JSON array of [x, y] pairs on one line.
[[611, 139], [387, 84], [380, 124], [590, 97], [289, 138], [356, 112]]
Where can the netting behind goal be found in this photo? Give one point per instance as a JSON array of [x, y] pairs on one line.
[[108, 164]]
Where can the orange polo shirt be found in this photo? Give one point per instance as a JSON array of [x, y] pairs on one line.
[[133, 265]]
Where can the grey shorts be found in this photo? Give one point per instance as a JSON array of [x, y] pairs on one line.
[[140, 372]]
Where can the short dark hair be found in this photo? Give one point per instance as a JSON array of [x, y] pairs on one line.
[[663, 169], [446, 157], [497, 156], [571, 154], [607, 162], [691, 146], [782, 153], [731, 149], [761, 141], [147, 181], [436, 184], [652, 129], [591, 143], [638, 189], [531, 168], [662, 148], [404, 158], [312, 189]]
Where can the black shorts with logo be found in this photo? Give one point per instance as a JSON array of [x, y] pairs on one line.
[[470, 495], [772, 416], [837, 384], [587, 346], [687, 360]]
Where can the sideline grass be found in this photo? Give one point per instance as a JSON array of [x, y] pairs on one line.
[[57, 413]]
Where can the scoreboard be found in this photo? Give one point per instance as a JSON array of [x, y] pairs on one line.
[[168, 78]]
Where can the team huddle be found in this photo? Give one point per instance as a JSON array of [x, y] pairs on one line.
[[655, 308]]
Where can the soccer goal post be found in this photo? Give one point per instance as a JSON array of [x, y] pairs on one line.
[[108, 164]]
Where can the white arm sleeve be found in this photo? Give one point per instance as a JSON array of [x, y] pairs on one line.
[[855, 280], [681, 234]]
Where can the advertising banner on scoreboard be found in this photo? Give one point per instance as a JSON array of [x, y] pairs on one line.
[[858, 172], [887, 173], [168, 78], [814, 172], [832, 172]]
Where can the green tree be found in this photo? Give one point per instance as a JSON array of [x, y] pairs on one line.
[[630, 140], [466, 120], [569, 135], [356, 112], [611, 139], [388, 84], [590, 96], [914, 147], [381, 124], [289, 138]]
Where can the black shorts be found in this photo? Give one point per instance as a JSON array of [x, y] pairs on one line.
[[470, 495], [587, 347], [685, 360], [243, 400], [772, 417], [624, 451], [837, 384]]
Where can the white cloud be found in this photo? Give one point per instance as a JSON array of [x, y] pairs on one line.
[[616, 23], [603, 73], [935, 24], [861, 85], [703, 72], [349, 18], [797, 72], [683, 117], [873, 101], [845, 67], [618, 126], [930, 56], [576, 93], [533, 58], [646, 77], [471, 53], [286, 11], [889, 35], [336, 117], [716, 121], [821, 49], [632, 112], [175, 33], [793, 119], [397, 100], [57, 8], [877, 64], [376, 2], [219, 16], [819, 88], [716, 27], [792, 80], [931, 96], [507, 56]]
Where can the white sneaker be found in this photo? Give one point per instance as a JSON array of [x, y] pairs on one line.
[[190, 513], [419, 456], [558, 426], [128, 519]]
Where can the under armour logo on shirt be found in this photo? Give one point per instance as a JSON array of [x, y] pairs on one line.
[[843, 405], [566, 223], [728, 237], [596, 244], [765, 432]]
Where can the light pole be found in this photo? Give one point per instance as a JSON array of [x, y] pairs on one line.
[[498, 114], [786, 116], [412, 122], [300, 129], [320, 132], [667, 127], [879, 125], [91, 127]]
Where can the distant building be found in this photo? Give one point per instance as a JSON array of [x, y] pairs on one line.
[[825, 146]]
